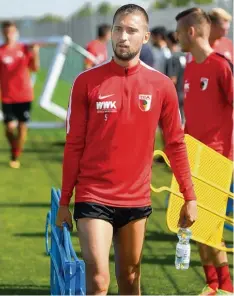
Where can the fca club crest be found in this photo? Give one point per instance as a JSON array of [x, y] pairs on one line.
[[204, 83], [145, 102]]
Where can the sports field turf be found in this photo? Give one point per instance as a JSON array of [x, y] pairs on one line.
[[25, 201]]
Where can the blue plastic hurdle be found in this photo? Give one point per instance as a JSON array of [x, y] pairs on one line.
[[230, 210], [67, 272]]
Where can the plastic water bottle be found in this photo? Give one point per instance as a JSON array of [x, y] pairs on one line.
[[183, 249]]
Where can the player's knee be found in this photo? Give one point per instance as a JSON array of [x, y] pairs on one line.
[[100, 283], [22, 129], [10, 127], [131, 276]]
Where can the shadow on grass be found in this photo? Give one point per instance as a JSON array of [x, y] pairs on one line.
[[24, 290], [59, 144], [162, 260], [160, 236], [31, 150], [38, 234], [25, 205]]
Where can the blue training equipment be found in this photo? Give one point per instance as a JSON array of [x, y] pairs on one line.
[[230, 210], [67, 272]]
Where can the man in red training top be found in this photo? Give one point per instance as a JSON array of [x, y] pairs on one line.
[[208, 111], [98, 47], [16, 62], [113, 114], [220, 24]]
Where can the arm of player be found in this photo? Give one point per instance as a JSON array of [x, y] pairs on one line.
[[174, 141], [88, 63], [176, 151], [34, 59], [226, 81], [77, 117]]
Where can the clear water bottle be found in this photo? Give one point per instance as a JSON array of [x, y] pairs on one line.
[[183, 249]]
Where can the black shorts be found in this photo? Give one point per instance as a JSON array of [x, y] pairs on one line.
[[18, 111], [117, 216]]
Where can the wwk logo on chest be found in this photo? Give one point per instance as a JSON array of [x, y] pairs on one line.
[[106, 107], [145, 102]]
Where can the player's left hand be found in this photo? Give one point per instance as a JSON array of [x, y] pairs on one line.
[[188, 214], [35, 48]]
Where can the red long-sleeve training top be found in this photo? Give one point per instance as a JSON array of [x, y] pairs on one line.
[[111, 124], [208, 103]]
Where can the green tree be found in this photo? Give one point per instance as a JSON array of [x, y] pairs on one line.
[[160, 4], [104, 8], [50, 18], [86, 10], [178, 3], [203, 1]]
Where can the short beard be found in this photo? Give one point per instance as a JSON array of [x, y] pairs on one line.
[[127, 57]]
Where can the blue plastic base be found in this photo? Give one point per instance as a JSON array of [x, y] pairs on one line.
[[67, 272]]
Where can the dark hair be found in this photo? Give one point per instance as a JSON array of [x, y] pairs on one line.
[[159, 31], [7, 24], [172, 37], [198, 14], [103, 29], [131, 8]]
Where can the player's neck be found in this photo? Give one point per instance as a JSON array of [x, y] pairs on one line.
[[102, 40], [174, 48], [127, 64], [200, 52], [10, 43], [212, 40], [162, 44]]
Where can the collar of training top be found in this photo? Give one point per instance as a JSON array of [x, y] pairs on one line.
[[123, 70]]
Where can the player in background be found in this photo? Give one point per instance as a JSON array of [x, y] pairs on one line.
[[175, 68], [208, 107], [113, 114], [161, 52], [98, 47], [16, 62], [220, 24]]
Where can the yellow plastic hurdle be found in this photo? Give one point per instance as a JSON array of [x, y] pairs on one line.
[[211, 175]]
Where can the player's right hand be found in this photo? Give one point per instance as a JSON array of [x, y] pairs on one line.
[[64, 215], [188, 214]]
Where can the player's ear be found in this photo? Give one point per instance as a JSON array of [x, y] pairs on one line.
[[191, 31], [146, 37]]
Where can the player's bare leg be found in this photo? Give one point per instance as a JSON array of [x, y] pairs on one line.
[[205, 254], [220, 260], [10, 129], [215, 264], [10, 132], [128, 244], [22, 135], [95, 236]]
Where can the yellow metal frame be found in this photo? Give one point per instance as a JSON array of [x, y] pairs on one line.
[[211, 174]]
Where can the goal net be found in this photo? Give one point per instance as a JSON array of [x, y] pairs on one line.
[[61, 61]]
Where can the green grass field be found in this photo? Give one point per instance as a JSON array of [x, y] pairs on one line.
[[25, 201]]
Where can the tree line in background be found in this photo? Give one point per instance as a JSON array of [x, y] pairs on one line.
[[106, 8]]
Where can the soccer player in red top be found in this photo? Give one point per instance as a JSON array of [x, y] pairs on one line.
[[98, 47], [16, 62], [220, 24], [208, 107], [113, 114]]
